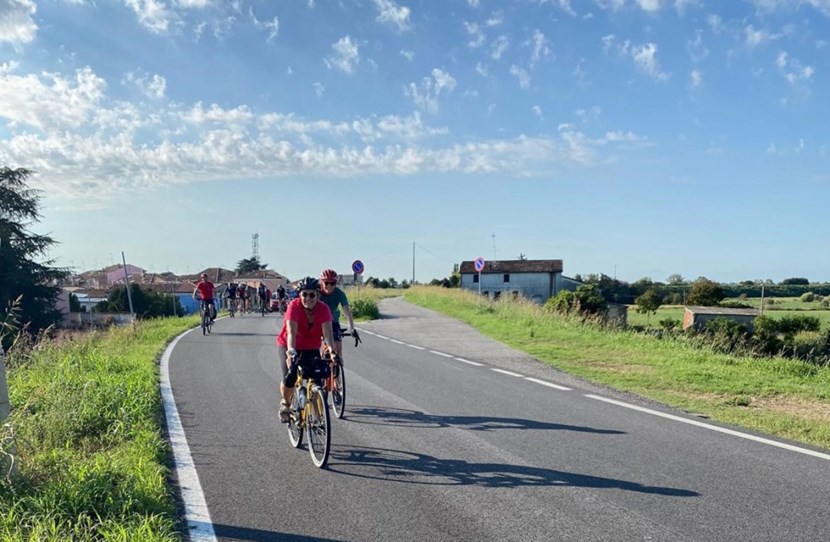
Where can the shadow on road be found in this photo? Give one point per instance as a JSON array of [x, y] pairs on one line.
[[412, 418], [416, 468], [230, 532]]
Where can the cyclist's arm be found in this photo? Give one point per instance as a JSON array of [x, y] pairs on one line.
[[328, 335], [348, 312], [291, 335]]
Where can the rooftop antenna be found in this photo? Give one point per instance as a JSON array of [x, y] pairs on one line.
[[495, 258], [255, 246]]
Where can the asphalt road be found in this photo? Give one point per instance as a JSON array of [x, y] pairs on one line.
[[449, 435]]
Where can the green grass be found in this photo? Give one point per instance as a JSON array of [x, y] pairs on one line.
[[87, 417], [778, 396], [363, 301]]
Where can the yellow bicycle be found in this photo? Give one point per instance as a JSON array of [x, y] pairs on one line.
[[309, 412]]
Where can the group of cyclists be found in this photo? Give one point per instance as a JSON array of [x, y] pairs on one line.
[[310, 318]]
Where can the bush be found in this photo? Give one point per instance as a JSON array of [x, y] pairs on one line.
[[364, 308], [735, 305], [670, 324], [809, 297]]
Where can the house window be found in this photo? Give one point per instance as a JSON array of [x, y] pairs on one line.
[[496, 295], [507, 277], [475, 278]]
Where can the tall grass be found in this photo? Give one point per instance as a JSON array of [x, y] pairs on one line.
[[780, 396], [87, 418]]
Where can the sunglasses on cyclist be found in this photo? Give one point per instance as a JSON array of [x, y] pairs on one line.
[[310, 295], [327, 283]]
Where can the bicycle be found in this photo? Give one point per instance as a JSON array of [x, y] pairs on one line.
[[262, 306], [309, 412], [336, 382], [232, 307], [207, 321]]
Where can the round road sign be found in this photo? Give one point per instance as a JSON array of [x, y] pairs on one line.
[[479, 264], [357, 267]]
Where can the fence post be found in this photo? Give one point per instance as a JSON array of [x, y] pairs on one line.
[[8, 453]]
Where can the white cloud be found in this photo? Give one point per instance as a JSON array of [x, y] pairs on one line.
[[409, 55], [152, 14], [682, 5], [645, 56], [345, 56], [715, 23], [755, 37], [153, 87], [193, 4], [537, 111], [16, 24], [472, 3], [498, 47], [796, 74], [481, 69], [649, 5], [696, 78], [522, 75], [564, 5], [426, 95], [319, 89], [49, 102], [495, 19], [392, 13], [272, 26], [697, 50], [477, 36], [541, 47], [612, 5]]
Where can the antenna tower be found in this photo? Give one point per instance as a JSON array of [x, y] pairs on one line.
[[255, 246]]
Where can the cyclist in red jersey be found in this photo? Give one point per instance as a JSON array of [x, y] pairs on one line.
[[306, 323], [204, 293]]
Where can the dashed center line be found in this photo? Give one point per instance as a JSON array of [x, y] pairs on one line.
[[416, 347], [548, 384], [509, 373], [474, 363], [440, 353], [397, 342]]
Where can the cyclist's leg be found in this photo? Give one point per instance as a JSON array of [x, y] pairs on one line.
[[286, 391]]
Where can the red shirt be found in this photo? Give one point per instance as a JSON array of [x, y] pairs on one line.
[[205, 290], [308, 337]]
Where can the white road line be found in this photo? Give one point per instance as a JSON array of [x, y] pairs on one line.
[[397, 342], [704, 425], [441, 353], [502, 371], [548, 384], [200, 526], [470, 362], [379, 336], [416, 347]]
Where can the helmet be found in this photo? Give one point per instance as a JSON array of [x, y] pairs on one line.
[[308, 283], [328, 274]]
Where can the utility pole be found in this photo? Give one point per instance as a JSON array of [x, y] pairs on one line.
[[127, 282], [413, 264]]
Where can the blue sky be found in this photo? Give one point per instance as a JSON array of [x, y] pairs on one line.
[[636, 137]]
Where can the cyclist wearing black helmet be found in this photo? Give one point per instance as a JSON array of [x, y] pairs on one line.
[[306, 323]]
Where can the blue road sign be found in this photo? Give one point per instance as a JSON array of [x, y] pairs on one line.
[[357, 267]]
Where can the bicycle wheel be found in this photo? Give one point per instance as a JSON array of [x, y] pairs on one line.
[[338, 392], [204, 323], [295, 423], [318, 423]]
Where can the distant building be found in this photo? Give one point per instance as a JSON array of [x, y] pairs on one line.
[[537, 280], [697, 317]]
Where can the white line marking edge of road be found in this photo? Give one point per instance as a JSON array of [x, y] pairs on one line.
[[199, 524], [705, 425], [508, 373]]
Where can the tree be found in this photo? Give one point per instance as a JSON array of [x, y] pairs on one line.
[[20, 274], [648, 303], [675, 279], [522, 257], [796, 280], [705, 292], [249, 265], [146, 303]]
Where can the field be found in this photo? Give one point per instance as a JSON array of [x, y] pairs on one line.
[[783, 306]]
